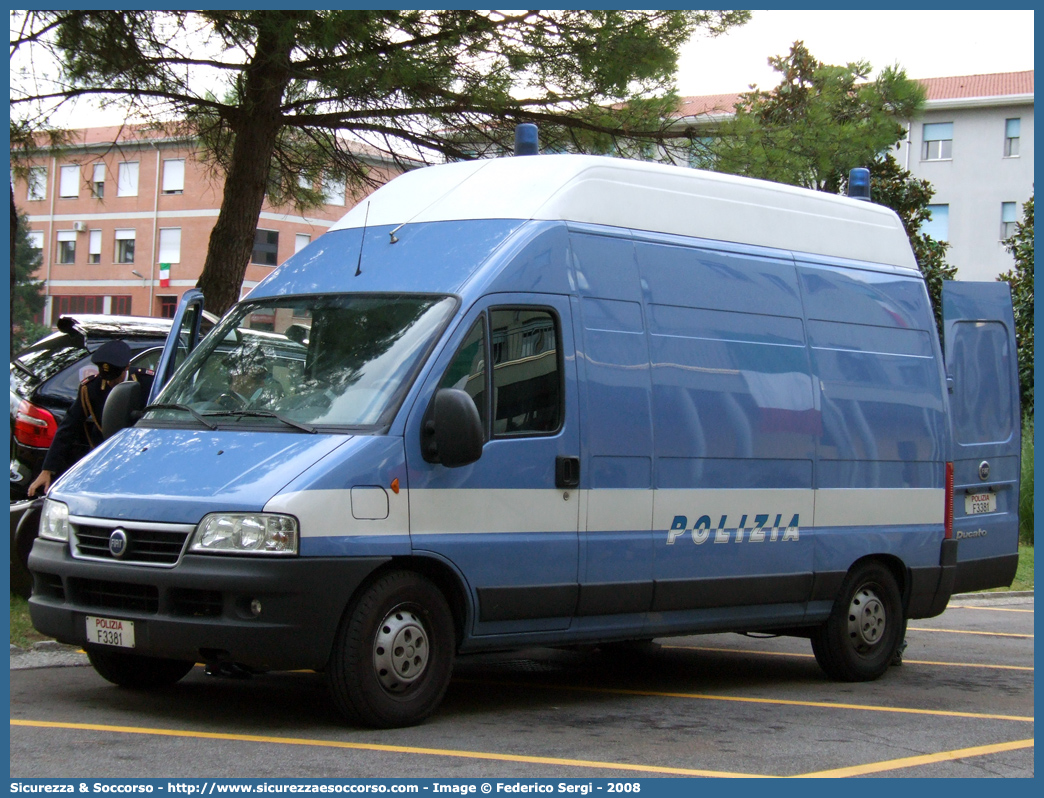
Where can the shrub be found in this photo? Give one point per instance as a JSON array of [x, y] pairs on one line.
[[1026, 486]]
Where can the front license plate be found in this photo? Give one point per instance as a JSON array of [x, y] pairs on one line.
[[976, 503], [110, 632]]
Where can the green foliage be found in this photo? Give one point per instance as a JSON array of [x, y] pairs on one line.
[[27, 297], [1021, 281], [1026, 484], [280, 94], [1024, 573], [896, 188], [820, 122], [23, 634]]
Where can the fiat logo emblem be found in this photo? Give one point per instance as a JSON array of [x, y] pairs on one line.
[[118, 543], [984, 470]]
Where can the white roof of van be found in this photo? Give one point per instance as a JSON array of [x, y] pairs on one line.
[[641, 196]]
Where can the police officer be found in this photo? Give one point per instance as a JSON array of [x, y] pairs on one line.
[[81, 429]]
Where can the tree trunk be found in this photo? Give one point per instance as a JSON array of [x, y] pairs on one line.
[[256, 128]]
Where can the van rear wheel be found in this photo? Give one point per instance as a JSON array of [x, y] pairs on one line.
[[859, 640], [393, 655], [135, 670]]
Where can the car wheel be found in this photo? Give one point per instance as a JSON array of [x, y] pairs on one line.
[[135, 670], [859, 640], [393, 656]]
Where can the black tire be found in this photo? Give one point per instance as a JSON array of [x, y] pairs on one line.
[[21, 579], [393, 656], [136, 671], [25, 533], [859, 640]]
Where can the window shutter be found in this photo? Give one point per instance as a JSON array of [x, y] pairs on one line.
[[170, 245], [127, 180], [70, 182], [173, 175]]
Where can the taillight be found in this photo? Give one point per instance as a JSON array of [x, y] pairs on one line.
[[34, 426], [948, 512]]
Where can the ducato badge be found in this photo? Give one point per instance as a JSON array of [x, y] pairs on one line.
[[984, 470], [118, 543]]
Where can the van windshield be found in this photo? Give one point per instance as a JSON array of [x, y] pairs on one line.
[[307, 362]]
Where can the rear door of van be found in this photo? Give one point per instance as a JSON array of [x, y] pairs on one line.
[[982, 375]]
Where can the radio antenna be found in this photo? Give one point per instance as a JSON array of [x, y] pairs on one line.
[[366, 218]]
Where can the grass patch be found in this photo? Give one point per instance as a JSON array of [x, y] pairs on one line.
[[1024, 575], [23, 634]]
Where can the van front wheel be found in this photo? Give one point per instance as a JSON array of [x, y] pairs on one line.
[[859, 640], [393, 656]]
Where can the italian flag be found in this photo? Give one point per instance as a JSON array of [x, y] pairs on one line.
[[164, 275]]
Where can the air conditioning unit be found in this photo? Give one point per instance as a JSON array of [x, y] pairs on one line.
[[80, 227]]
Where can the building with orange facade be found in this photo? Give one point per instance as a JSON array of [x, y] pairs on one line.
[[122, 218]]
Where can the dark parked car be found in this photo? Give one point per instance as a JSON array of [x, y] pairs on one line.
[[44, 381]]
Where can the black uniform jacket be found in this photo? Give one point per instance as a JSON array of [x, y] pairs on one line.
[[81, 430]]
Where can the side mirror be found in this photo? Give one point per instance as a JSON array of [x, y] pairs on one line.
[[122, 407], [452, 433]]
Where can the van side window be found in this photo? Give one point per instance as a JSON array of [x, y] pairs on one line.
[[467, 371], [527, 378]]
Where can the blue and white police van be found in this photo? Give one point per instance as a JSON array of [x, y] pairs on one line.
[[547, 400]]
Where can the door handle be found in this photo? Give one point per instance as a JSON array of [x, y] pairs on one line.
[[567, 472]]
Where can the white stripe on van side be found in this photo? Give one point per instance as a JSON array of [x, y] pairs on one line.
[[325, 513], [879, 506], [445, 512], [328, 513], [735, 506]]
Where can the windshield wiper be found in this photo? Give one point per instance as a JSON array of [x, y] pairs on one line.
[[186, 408], [265, 414]]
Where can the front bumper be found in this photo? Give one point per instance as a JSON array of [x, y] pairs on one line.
[[201, 609]]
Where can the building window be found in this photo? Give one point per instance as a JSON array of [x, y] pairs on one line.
[[938, 224], [170, 245], [125, 246], [1009, 216], [98, 181], [1012, 128], [66, 246], [37, 183], [937, 142], [69, 182], [701, 154], [168, 306], [66, 305], [174, 176], [94, 247], [266, 247], [333, 190], [127, 179], [301, 240], [36, 240]]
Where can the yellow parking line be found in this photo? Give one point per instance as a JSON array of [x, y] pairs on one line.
[[854, 770], [917, 761], [749, 700], [395, 749], [990, 609], [810, 656], [968, 632]]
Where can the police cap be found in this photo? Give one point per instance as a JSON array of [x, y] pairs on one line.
[[115, 353]]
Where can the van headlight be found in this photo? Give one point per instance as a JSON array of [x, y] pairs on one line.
[[245, 533], [54, 521]]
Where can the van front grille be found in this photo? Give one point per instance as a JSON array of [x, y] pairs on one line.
[[147, 544], [195, 603], [114, 595]]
